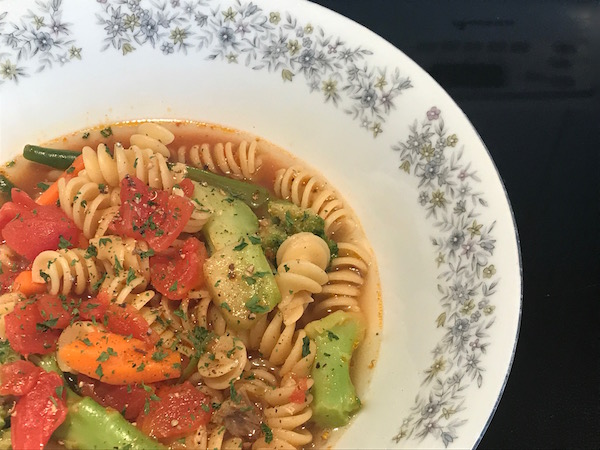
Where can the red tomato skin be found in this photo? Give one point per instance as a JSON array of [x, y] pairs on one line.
[[51, 307], [187, 186], [38, 413], [22, 331], [122, 319], [151, 215], [181, 402], [183, 266], [7, 278], [299, 394], [128, 400], [29, 228], [18, 377]]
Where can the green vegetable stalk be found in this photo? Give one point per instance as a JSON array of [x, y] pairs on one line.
[[88, 425], [336, 336], [59, 159], [254, 196], [91, 426]]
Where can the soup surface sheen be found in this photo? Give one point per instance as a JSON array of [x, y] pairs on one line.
[[220, 312]]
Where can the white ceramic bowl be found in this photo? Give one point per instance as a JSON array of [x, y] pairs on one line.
[[346, 102]]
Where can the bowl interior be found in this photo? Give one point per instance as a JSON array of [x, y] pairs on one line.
[[413, 169]]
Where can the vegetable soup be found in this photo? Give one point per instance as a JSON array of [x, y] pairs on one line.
[[179, 285]]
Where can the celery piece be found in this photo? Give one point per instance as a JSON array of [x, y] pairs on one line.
[[91, 426], [336, 337], [88, 425]]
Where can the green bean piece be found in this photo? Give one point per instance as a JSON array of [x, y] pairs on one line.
[[59, 159], [254, 196]]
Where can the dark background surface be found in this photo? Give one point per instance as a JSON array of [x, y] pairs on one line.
[[527, 75]]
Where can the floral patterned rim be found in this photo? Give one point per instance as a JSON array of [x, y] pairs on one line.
[[241, 32]]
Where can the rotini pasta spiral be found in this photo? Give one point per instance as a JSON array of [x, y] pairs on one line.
[[171, 322], [259, 376], [306, 190], [223, 362], [285, 418], [112, 264], [124, 255], [241, 162], [209, 316], [282, 345], [123, 289], [153, 136], [345, 278], [83, 201], [212, 437], [68, 270], [150, 167], [301, 259]]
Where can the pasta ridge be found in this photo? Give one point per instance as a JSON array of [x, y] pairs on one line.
[[301, 262], [286, 418], [152, 168], [68, 270], [223, 362], [153, 136], [88, 204], [346, 276], [308, 191], [282, 345], [239, 162]]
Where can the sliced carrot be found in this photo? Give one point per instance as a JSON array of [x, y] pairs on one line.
[[50, 195], [118, 360], [24, 284]]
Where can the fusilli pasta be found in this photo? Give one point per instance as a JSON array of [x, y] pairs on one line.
[[68, 270], [241, 162], [345, 279], [301, 259], [87, 204], [223, 362], [308, 191], [150, 167], [153, 136]]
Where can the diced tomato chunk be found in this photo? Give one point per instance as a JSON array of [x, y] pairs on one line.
[[28, 332], [187, 186], [152, 215], [299, 394], [18, 377], [180, 404], [129, 400], [29, 228], [38, 413], [7, 278], [56, 312], [121, 319], [175, 272]]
